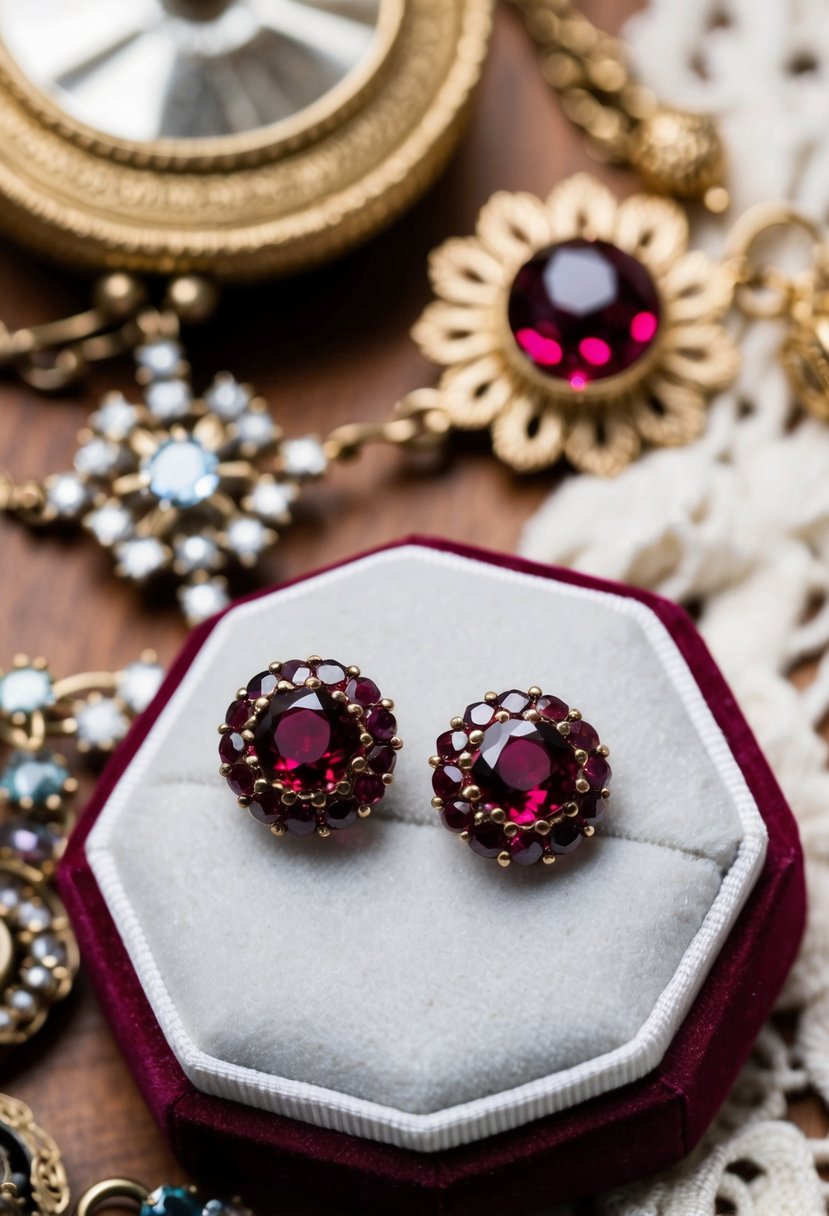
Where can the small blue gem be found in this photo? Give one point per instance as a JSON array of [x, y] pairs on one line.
[[183, 473], [35, 775], [172, 1201]]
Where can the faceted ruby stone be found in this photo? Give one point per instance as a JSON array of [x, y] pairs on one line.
[[382, 724], [447, 781], [479, 714], [583, 735], [331, 673], [598, 772], [267, 808], [231, 747], [364, 692], [382, 760], [237, 714], [584, 310], [514, 702], [305, 739], [341, 814], [369, 788], [450, 744], [240, 779], [565, 837], [526, 768], [457, 816], [552, 708], [262, 684], [486, 839], [295, 671], [525, 848], [300, 819]]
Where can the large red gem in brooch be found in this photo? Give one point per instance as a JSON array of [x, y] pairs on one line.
[[584, 310]]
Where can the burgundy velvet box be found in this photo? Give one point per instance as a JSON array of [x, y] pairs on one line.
[[632, 1128]]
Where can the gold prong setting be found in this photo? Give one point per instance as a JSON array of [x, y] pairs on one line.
[[520, 777], [309, 746]]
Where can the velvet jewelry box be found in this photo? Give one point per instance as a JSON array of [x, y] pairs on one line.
[[382, 1022]]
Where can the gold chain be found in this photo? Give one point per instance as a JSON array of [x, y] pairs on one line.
[[675, 151]]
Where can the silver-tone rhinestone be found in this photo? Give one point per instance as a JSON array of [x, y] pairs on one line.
[[202, 600], [97, 458], [159, 359], [227, 397], [138, 684], [8, 1022], [141, 557], [221, 1207], [169, 399], [25, 1004], [303, 457], [194, 553], [115, 418], [271, 500], [247, 537], [49, 950], [35, 917], [109, 523], [67, 495], [25, 689], [9, 894], [101, 724], [39, 979], [256, 428]]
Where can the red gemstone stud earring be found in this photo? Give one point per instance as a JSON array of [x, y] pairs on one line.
[[309, 745], [521, 777]]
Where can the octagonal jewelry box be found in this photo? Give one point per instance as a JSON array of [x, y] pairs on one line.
[[383, 1022]]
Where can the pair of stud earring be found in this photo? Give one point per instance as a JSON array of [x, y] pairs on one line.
[[310, 746]]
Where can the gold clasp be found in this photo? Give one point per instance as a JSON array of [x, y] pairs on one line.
[[419, 422]]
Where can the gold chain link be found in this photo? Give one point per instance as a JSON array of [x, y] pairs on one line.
[[419, 422], [675, 151]]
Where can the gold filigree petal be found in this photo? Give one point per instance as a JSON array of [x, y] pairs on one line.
[[702, 355], [582, 206], [667, 414], [602, 443], [462, 271], [696, 288], [514, 226], [450, 333], [475, 393], [654, 230], [528, 435]]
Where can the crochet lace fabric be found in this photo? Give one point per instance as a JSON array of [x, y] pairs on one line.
[[736, 526]]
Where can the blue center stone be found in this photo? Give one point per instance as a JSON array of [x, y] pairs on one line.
[[183, 473], [33, 775], [172, 1201], [25, 690]]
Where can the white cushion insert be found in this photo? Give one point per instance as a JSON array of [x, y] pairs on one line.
[[387, 981]]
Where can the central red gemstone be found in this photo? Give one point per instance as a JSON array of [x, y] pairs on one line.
[[305, 739], [528, 769], [584, 310]]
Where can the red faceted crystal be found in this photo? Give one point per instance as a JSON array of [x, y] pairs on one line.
[[305, 739], [584, 310], [526, 768], [238, 713], [231, 747]]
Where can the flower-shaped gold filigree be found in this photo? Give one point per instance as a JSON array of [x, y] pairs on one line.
[[578, 326]]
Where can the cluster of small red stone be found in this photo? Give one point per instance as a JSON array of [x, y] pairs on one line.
[[521, 777], [302, 739]]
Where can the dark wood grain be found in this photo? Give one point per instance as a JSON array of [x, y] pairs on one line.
[[323, 350]]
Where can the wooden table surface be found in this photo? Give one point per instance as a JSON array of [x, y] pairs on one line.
[[323, 350]]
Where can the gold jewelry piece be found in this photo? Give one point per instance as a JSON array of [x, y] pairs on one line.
[[272, 148], [126, 1195], [520, 777], [578, 326], [309, 746], [32, 1176], [674, 151], [38, 953]]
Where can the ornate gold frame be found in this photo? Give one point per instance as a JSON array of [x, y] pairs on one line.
[[258, 204]]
